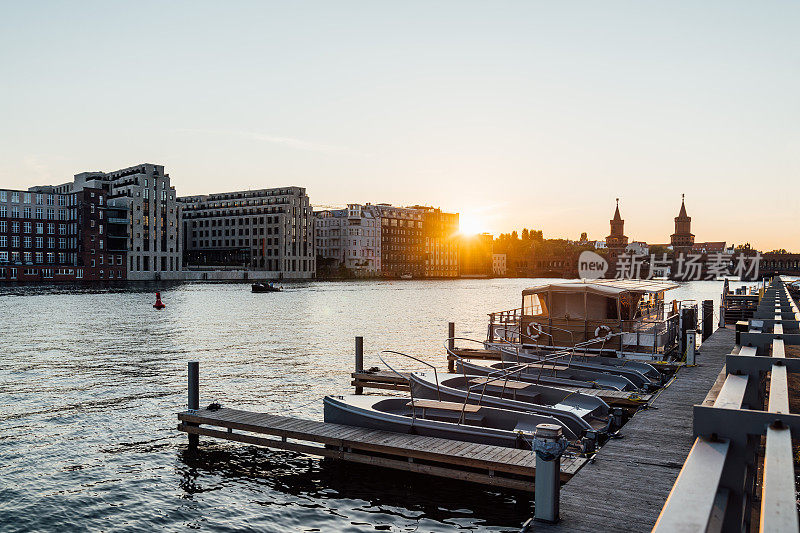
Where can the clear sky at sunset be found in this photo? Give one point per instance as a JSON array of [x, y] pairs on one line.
[[516, 114]]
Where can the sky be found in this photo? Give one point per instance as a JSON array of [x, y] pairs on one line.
[[515, 114]]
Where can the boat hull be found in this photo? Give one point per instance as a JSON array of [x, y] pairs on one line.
[[577, 413], [621, 367], [572, 377], [388, 413]]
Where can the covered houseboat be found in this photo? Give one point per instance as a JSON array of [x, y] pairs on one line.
[[609, 317]]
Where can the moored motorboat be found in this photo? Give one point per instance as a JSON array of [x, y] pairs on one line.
[[578, 412], [642, 375], [265, 287], [556, 373], [457, 421]]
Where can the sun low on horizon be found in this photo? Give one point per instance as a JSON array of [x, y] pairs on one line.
[[472, 224]]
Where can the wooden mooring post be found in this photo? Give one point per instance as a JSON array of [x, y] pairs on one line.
[[359, 361], [708, 319], [451, 345], [194, 398]]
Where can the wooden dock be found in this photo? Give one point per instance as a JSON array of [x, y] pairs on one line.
[[630, 478], [478, 463], [387, 380]]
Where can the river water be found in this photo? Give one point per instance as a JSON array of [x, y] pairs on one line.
[[91, 381]]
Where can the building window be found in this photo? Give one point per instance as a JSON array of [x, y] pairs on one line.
[[15, 197], [40, 242], [26, 212], [39, 257], [27, 197], [40, 228]]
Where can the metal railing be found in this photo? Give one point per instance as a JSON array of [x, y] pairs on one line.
[[717, 486]]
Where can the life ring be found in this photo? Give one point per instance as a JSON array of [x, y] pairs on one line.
[[534, 327], [600, 329]]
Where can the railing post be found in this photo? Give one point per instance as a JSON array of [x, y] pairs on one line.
[[451, 345], [194, 399], [359, 361], [548, 443], [491, 327]]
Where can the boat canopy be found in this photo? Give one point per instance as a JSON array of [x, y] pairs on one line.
[[606, 299], [604, 287]]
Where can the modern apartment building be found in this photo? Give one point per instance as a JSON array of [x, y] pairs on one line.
[[350, 238], [267, 230], [140, 198]]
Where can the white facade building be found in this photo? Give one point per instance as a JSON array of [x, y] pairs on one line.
[[499, 267], [638, 248], [351, 237]]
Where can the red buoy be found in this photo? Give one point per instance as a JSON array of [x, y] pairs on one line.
[[159, 304]]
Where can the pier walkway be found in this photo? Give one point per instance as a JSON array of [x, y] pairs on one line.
[[630, 478], [479, 463]]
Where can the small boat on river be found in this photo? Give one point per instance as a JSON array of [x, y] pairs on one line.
[[555, 374], [450, 420], [642, 375], [575, 411], [265, 287]]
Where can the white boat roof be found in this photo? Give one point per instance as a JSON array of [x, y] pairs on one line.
[[604, 286]]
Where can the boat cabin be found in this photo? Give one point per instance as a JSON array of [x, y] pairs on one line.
[[628, 314]]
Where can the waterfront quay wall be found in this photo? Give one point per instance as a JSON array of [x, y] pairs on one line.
[[219, 275]]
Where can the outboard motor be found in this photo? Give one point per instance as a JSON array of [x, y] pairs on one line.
[[589, 442]]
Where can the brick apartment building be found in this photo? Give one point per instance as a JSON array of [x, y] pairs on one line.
[[51, 236]]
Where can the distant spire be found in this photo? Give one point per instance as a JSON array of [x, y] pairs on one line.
[[683, 214], [616, 213]]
